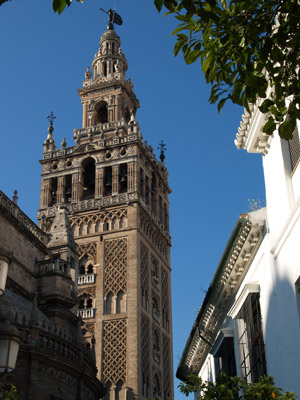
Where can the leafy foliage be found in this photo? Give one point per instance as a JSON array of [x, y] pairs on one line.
[[234, 388], [9, 393], [60, 5], [247, 49]]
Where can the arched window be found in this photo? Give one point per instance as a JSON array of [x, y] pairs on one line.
[[156, 347], [109, 303], [90, 269], [82, 270], [81, 304], [153, 193], [122, 222], [100, 113], [120, 306], [118, 390], [88, 171], [89, 303], [53, 191], [156, 387], [127, 115], [123, 178], [107, 181]]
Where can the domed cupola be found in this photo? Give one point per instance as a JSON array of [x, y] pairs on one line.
[[109, 62]]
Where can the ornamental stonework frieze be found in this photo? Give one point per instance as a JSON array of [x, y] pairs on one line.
[[87, 292], [89, 249]]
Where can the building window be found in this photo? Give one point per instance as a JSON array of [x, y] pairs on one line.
[[225, 358], [294, 148], [88, 172], [250, 340]]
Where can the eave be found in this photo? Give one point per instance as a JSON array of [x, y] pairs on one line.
[[243, 244], [250, 134]]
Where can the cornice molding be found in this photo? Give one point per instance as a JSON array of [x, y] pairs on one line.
[[250, 134], [224, 286]]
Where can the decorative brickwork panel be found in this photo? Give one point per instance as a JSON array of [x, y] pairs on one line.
[[114, 351], [99, 221], [145, 275], [90, 249], [165, 298], [166, 367], [145, 333], [115, 279], [155, 272], [153, 235]]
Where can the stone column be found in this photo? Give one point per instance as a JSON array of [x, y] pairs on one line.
[[99, 183], [131, 177], [61, 181], [115, 180], [112, 392], [76, 187], [84, 115], [45, 195]]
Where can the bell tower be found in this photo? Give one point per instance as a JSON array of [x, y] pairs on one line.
[[116, 194]]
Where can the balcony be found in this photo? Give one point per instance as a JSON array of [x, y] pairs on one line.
[[86, 279], [86, 313]]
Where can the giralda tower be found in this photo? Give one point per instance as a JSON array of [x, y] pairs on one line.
[[116, 193]]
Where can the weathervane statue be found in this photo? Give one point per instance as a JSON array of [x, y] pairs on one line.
[[113, 18]]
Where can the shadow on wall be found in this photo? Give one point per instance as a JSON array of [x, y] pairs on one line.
[[282, 335]]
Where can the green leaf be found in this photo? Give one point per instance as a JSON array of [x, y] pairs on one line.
[[286, 129], [158, 4], [221, 104], [179, 29], [265, 107], [59, 5], [206, 64], [270, 126]]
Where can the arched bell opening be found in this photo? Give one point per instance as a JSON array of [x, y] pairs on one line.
[[127, 115], [100, 115], [88, 172], [107, 181], [123, 178], [53, 192]]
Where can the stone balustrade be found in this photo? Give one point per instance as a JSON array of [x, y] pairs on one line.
[[22, 218], [86, 279], [56, 265], [57, 344], [86, 313]]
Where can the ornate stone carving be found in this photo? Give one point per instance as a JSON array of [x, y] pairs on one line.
[[89, 292], [145, 275], [115, 274], [145, 332], [165, 298], [114, 351], [90, 249], [166, 367], [153, 234], [93, 222]]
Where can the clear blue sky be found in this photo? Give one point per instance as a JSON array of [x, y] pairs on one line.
[[43, 60]]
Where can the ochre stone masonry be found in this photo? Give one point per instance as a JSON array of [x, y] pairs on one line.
[[116, 194]]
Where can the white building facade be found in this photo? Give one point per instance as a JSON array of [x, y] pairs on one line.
[[249, 322]]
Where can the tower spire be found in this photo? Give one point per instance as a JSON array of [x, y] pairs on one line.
[[49, 143]]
